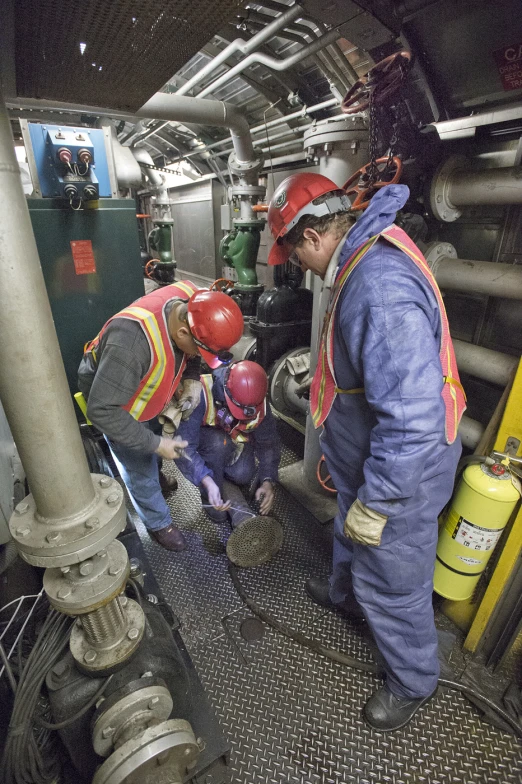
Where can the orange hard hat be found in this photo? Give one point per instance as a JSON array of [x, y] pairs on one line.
[[216, 324], [295, 197]]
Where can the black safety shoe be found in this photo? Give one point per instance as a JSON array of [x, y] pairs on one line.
[[318, 589], [386, 712]]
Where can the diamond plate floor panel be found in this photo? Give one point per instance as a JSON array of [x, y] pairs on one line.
[[293, 717]]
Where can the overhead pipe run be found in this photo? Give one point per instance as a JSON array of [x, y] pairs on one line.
[[456, 185], [478, 277]]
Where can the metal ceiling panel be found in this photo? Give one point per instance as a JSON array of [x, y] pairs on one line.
[[114, 53]]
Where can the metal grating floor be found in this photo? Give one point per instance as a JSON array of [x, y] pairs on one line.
[[293, 717]]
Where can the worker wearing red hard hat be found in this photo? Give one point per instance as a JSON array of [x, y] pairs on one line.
[[231, 428], [144, 356], [387, 392]]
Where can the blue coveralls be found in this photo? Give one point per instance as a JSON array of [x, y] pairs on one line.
[[387, 447], [211, 449]]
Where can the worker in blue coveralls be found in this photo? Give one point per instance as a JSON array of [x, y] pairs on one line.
[[387, 391], [228, 431]]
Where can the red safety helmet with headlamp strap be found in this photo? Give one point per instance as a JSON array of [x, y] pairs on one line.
[[295, 197], [216, 323], [246, 385]]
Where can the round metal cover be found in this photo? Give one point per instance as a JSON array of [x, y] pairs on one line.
[[255, 541]]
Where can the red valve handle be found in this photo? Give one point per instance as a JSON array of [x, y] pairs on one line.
[[363, 192], [383, 80], [222, 284], [324, 480]]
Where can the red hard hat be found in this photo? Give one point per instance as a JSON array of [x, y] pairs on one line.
[[216, 323], [294, 198], [246, 385]]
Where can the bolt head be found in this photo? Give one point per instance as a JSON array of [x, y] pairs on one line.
[[153, 702], [92, 523], [123, 601], [86, 568], [64, 592], [22, 508], [23, 531], [108, 732], [112, 500], [65, 569], [102, 554], [54, 536], [90, 656], [114, 570], [133, 634], [147, 674], [105, 481]]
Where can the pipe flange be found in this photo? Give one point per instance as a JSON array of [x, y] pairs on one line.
[[85, 587], [435, 251], [108, 656], [241, 168], [129, 716], [61, 544], [163, 753], [247, 190], [282, 373], [333, 130], [441, 205]]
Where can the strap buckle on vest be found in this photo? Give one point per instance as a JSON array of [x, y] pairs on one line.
[[455, 383], [355, 391]]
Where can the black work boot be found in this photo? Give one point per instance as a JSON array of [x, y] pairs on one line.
[[386, 712], [318, 589]]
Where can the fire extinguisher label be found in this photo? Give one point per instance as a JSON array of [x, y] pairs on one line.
[[475, 537], [469, 561]]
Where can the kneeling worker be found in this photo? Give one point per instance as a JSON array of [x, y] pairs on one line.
[[387, 391], [231, 428], [130, 372]]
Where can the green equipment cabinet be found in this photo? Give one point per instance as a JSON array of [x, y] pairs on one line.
[[92, 268]]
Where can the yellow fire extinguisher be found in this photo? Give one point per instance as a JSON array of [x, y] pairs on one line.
[[481, 507]]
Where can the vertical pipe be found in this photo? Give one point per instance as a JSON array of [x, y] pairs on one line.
[[33, 386]]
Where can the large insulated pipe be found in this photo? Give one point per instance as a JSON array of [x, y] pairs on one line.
[[33, 385], [479, 277], [484, 363], [456, 184]]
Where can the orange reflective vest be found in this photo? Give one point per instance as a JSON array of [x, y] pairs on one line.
[[160, 381], [239, 433], [324, 388]]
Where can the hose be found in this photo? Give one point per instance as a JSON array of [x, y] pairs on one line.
[[66, 722], [331, 653]]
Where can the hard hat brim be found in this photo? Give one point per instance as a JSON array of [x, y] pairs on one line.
[[279, 254], [212, 361]]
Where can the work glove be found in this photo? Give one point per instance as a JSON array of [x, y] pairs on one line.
[[303, 390], [170, 418], [363, 525], [188, 396]]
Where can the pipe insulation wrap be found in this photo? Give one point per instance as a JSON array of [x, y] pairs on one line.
[[33, 385], [484, 363]]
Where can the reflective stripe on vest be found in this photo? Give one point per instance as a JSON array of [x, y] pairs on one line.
[[210, 409], [159, 383], [324, 388]]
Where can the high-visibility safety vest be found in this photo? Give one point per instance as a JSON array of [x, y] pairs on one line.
[[324, 387], [239, 433], [160, 381]]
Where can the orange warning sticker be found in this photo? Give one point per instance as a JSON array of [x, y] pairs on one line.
[[83, 257]]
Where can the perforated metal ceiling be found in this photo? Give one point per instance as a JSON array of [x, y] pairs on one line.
[[113, 53]]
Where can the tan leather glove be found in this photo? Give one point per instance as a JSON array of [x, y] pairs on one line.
[[363, 525], [190, 396]]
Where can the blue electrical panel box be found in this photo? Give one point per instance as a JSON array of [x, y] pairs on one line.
[[71, 162]]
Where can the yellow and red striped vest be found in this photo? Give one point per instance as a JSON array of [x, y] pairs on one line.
[[239, 434], [160, 381], [324, 388]]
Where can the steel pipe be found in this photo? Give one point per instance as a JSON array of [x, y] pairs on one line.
[[33, 385], [271, 62], [479, 277], [470, 431], [484, 363]]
